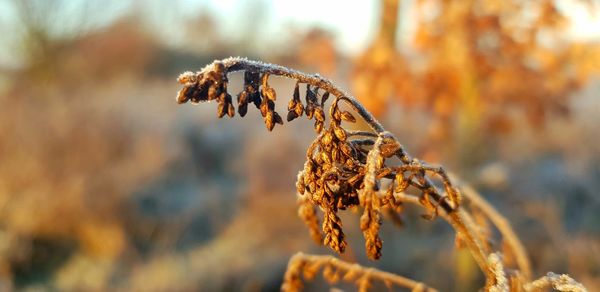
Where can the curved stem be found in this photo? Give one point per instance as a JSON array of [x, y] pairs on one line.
[[504, 227], [462, 223], [234, 64], [371, 273]]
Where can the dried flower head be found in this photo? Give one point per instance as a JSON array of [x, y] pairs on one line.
[[343, 168]]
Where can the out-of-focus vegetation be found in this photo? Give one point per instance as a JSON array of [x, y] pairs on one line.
[[105, 183]]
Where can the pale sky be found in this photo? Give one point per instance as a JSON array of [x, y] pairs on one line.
[[352, 22]]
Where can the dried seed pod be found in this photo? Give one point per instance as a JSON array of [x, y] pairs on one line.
[[264, 80], [242, 97], [327, 138], [340, 133], [277, 118], [291, 115], [324, 98], [319, 114], [264, 108], [256, 99], [292, 104], [213, 92], [300, 187], [230, 110], [269, 121], [270, 93], [319, 126], [183, 95], [299, 109], [221, 109], [243, 109], [310, 110], [335, 155], [325, 157], [348, 117]]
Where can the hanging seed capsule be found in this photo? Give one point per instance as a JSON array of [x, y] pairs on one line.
[[213, 92], [348, 117], [264, 108], [221, 109], [277, 118], [269, 121], [319, 114], [230, 110], [270, 93], [182, 95], [312, 186], [270, 105], [318, 126], [335, 154], [340, 133], [299, 109], [325, 157], [255, 98], [327, 138], [291, 115], [243, 109], [291, 104], [310, 110], [264, 80], [324, 98], [242, 97]]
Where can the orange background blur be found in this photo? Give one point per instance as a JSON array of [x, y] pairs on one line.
[[107, 184]]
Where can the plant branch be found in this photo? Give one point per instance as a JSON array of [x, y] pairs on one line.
[[333, 268]]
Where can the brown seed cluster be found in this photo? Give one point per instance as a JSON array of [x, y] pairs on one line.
[[343, 169]]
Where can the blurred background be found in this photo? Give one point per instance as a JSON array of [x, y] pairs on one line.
[[107, 184]]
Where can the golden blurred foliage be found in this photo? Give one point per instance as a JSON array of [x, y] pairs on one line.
[[477, 62]]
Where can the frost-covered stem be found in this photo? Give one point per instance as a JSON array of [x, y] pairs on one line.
[[235, 64]]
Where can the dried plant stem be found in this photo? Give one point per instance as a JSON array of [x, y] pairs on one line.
[[463, 224], [234, 64], [504, 227], [347, 169], [350, 272]]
